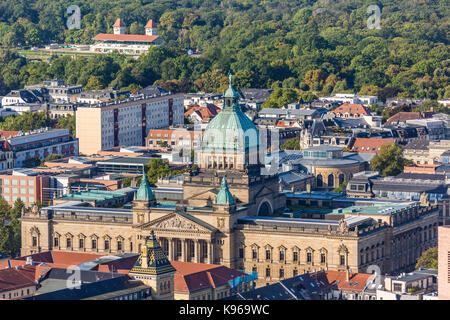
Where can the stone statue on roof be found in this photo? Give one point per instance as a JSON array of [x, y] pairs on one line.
[[342, 227]]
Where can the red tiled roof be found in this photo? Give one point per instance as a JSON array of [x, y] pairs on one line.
[[367, 145], [16, 278], [119, 23], [61, 259], [150, 24], [8, 134], [352, 108], [357, 281], [205, 113], [403, 116], [192, 277], [125, 37], [287, 124]]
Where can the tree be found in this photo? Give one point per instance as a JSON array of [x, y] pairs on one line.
[[68, 122], [428, 259], [31, 163], [389, 161], [342, 187], [291, 144], [51, 158], [157, 168]]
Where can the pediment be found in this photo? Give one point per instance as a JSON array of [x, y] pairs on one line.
[[176, 221]]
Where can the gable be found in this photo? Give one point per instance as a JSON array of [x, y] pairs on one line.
[[180, 222]]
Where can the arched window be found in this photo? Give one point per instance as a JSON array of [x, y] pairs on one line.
[[330, 180], [319, 181], [341, 178]]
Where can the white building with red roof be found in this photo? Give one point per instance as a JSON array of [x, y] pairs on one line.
[[132, 44]]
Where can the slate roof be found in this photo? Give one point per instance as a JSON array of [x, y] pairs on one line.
[[418, 144], [302, 287]]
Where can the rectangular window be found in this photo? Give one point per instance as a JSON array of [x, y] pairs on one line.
[[267, 254], [398, 287], [342, 260], [81, 243], [30, 199], [281, 255], [23, 190], [254, 254], [295, 257], [106, 244], [56, 242], [119, 245], [308, 257], [295, 273], [94, 244], [322, 258], [281, 273], [34, 241], [68, 242], [267, 272], [23, 182]]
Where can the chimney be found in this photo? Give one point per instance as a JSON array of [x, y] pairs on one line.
[[347, 274]]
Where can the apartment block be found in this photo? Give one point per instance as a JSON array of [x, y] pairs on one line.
[[126, 122], [26, 185], [40, 144], [444, 262]]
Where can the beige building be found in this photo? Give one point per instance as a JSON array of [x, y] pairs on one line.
[[125, 122], [426, 152], [444, 263], [230, 215]]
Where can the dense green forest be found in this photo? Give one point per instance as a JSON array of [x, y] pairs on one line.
[[314, 47]]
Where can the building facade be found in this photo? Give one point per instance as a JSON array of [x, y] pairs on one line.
[[126, 122], [230, 215]]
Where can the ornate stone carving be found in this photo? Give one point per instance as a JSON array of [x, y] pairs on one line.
[[342, 227], [220, 223], [176, 223], [35, 209], [424, 200]]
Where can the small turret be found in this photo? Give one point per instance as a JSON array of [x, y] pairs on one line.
[[150, 28], [119, 27]]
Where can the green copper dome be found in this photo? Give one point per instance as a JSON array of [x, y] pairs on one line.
[[231, 130], [224, 196], [144, 192]]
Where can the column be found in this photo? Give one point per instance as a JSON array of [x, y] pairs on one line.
[[196, 251], [170, 240], [210, 253], [183, 250]]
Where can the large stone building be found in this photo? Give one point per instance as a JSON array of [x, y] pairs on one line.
[[230, 215]]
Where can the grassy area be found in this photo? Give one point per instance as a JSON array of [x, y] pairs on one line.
[[46, 55]]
